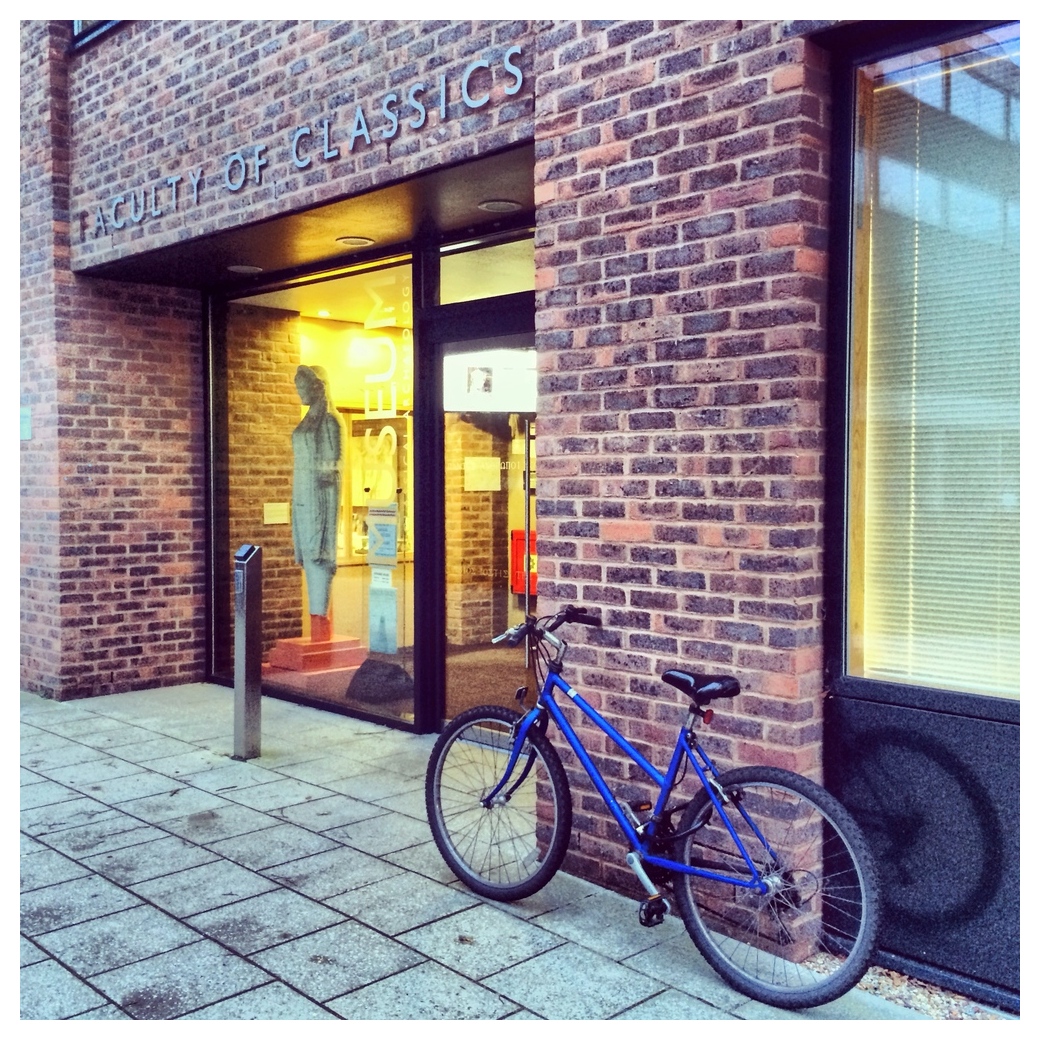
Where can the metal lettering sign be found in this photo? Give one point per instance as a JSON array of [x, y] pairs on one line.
[[317, 142]]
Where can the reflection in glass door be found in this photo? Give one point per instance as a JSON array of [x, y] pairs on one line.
[[489, 484], [320, 474]]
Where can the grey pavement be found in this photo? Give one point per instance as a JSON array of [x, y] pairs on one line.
[[162, 879]]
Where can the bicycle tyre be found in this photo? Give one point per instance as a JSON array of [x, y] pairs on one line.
[[812, 937], [510, 850]]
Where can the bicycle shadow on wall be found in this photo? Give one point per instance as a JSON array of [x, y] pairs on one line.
[[920, 806]]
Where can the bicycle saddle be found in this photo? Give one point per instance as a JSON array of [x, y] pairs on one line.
[[703, 688]]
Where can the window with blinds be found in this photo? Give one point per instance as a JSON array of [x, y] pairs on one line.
[[933, 532]]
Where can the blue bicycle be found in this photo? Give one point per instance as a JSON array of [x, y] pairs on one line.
[[771, 875]]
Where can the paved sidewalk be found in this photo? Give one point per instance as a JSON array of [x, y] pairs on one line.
[[161, 879]]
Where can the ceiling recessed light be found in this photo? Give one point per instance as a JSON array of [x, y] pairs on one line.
[[244, 269], [355, 241], [323, 314], [499, 206]]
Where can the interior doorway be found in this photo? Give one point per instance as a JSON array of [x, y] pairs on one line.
[[490, 548]]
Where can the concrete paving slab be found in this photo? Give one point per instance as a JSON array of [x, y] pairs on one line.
[[77, 723], [49, 991], [29, 952], [570, 982], [148, 751], [43, 792], [371, 786], [273, 845], [265, 920], [679, 964], [186, 764], [28, 846], [59, 756], [331, 873], [609, 924], [48, 819], [130, 787], [321, 770], [202, 888], [172, 984], [425, 860], [232, 776], [562, 890], [277, 794], [71, 902], [323, 814], [105, 1013], [411, 762], [114, 735], [210, 825], [480, 941], [671, 1005], [105, 768], [121, 938], [381, 834], [411, 803], [181, 801], [33, 741], [48, 868], [114, 832], [428, 992], [148, 860], [274, 1001], [402, 902], [335, 961]]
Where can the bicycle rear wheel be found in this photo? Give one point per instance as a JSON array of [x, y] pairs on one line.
[[810, 938], [511, 848]]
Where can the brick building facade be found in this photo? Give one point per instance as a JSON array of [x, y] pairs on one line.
[[683, 217]]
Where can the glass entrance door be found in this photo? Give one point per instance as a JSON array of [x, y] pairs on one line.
[[490, 551]]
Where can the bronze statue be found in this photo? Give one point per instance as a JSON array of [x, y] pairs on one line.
[[318, 445]]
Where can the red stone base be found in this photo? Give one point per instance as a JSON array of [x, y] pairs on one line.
[[315, 669], [304, 655], [327, 683]]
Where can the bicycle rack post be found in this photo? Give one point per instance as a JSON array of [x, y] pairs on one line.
[[248, 616]]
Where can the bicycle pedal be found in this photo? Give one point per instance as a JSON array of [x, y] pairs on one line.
[[652, 911]]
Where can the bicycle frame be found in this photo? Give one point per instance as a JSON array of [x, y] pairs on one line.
[[665, 781]]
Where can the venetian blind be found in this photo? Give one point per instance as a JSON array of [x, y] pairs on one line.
[[939, 447]]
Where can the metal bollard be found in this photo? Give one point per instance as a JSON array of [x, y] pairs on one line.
[[248, 618]]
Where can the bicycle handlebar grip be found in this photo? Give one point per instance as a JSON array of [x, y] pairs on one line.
[[573, 613], [584, 618]]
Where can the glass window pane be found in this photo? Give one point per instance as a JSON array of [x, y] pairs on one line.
[[498, 270], [319, 473], [933, 543]]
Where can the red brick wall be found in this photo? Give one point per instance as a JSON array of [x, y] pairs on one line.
[[112, 528], [475, 539], [44, 239], [681, 248]]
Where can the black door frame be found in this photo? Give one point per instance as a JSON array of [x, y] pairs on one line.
[[433, 326], [436, 325]]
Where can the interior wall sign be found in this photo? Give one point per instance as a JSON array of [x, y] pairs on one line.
[[398, 111]]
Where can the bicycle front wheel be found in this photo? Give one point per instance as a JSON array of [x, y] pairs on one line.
[[810, 937], [511, 848]]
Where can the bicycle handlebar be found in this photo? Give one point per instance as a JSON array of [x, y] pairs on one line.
[[540, 627]]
